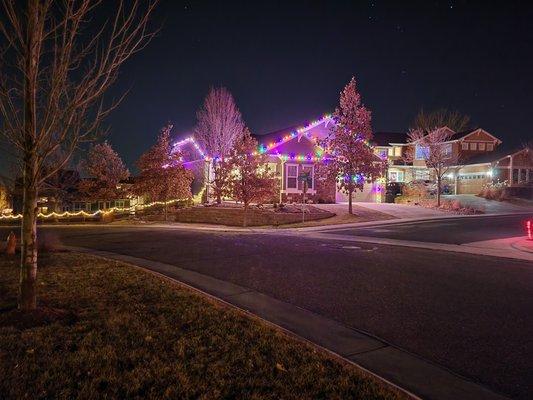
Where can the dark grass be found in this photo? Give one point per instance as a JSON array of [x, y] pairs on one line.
[[235, 216], [108, 330]]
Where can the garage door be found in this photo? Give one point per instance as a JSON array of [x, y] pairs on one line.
[[368, 195], [470, 184]]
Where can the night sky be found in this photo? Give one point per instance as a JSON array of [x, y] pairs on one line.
[[286, 61]]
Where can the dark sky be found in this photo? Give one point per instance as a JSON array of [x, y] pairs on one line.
[[286, 61]]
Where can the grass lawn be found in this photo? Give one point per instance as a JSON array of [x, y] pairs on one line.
[[108, 330]]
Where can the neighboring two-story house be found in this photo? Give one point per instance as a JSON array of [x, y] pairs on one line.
[[294, 150]]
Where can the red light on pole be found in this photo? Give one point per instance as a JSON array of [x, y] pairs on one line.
[[529, 229]]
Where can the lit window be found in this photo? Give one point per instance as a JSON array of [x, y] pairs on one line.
[[292, 176], [464, 146], [482, 146], [421, 152], [447, 150], [490, 147], [473, 146], [309, 169]]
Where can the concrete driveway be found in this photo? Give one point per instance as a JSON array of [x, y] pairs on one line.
[[489, 206], [396, 210]]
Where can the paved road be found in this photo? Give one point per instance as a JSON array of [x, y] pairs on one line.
[[449, 230], [469, 313]]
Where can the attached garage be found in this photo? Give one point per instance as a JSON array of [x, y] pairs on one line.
[[471, 183]]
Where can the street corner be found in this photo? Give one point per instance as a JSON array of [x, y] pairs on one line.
[[523, 244]]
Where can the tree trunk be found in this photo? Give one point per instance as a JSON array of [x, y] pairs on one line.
[[439, 179], [166, 208], [350, 208], [28, 262], [245, 215]]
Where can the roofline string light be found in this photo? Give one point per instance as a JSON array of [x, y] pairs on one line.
[[263, 149], [291, 135], [190, 139], [272, 145]]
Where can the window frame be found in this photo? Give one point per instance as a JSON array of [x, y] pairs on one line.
[[312, 169], [287, 188]]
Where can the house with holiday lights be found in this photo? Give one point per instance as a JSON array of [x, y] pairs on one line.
[[295, 150]]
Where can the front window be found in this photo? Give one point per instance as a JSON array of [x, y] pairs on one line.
[[447, 150], [464, 146], [482, 146], [421, 174], [383, 153], [309, 169], [473, 146], [395, 176], [292, 176], [490, 147], [421, 152]]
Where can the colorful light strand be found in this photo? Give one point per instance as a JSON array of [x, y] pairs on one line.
[[291, 135], [94, 214], [190, 139]]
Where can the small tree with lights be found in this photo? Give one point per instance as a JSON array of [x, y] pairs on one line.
[[249, 176], [351, 160], [162, 176], [104, 169]]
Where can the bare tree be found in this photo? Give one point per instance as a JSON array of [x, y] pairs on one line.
[[52, 93], [429, 121], [436, 152], [429, 141], [219, 126]]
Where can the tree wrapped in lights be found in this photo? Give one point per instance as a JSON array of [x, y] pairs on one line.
[[352, 161], [249, 177], [219, 126], [105, 170], [162, 175]]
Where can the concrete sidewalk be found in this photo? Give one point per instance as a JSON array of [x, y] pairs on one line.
[[517, 244], [402, 210], [408, 372], [489, 206]]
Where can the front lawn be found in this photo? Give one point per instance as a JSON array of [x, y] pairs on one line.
[[231, 215], [108, 330]]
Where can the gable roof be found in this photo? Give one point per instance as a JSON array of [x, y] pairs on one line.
[[464, 134], [387, 138]]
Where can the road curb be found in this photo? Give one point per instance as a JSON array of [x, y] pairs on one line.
[[401, 370], [324, 228], [456, 248]]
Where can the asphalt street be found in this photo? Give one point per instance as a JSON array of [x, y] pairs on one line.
[[449, 230], [469, 313]]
